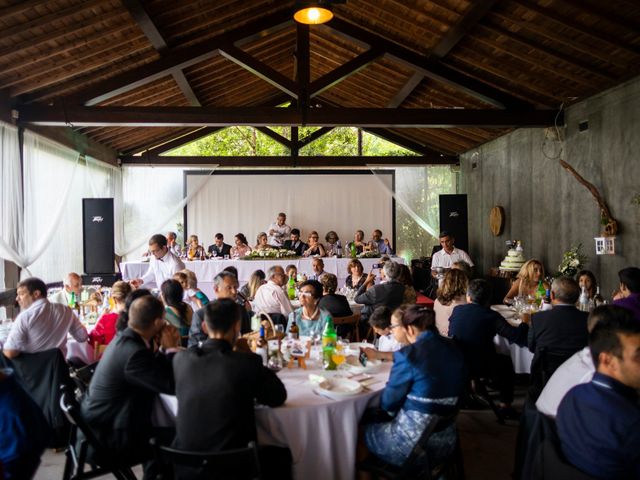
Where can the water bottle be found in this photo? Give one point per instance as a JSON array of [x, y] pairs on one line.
[[583, 301]]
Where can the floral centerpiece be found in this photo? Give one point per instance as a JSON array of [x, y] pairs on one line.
[[573, 260], [270, 253]]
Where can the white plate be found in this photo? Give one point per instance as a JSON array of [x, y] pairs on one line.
[[372, 367], [339, 388], [502, 308]]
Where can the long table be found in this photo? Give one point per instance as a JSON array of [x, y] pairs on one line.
[[206, 270]]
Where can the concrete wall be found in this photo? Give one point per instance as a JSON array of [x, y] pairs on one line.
[[545, 206]]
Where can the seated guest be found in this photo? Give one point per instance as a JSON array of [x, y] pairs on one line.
[[105, 328], [356, 277], [163, 265], [71, 283], [261, 242], [241, 247], [417, 390], [278, 231], [314, 247], [25, 431], [577, 370], [389, 294], [333, 247], [336, 305], [271, 297], [225, 285], [195, 251], [177, 312], [294, 243], [292, 272], [599, 422], [358, 242], [629, 290], [383, 247], [405, 278], [318, 269], [41, 325], [464, 266], [256, 280], [310, 318], [448, 255], [123, 318], [219, 248], [127, 381], [386, 342], [526, 283], [452, 293], [172, 244], [587, 279], [219, 387], [473, 327], [195, 297], [561, 330]]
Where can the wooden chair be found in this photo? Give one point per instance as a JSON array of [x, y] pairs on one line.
[[354, 321]]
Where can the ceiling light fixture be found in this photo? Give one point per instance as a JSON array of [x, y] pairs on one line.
[[313, 13]]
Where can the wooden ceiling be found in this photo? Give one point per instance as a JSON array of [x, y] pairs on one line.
[[437, 76]]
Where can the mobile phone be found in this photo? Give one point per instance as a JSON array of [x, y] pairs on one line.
[[363, 358], [376, 265]]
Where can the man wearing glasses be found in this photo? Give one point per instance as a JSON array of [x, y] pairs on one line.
[[162, 266]]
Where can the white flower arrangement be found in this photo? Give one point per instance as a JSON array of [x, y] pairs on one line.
[[573, 260], [270, 253]]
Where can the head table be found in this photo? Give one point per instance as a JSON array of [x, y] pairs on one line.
[[322, 433], [206, 270]]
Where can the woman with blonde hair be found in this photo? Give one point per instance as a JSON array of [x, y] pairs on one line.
[[315, 247], [192, 294], [261, 242], [526, 283], [452, 293], [194, 249], [105, 329], [256, 280]]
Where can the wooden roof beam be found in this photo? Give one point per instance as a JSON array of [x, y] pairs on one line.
[[303, 65], [275, 136], [343, 72], [171, 143], [406, 90], [270, 116], [313, 136]]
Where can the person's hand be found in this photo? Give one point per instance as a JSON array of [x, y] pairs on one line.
[[169, 337], [242, 345], [272, 231], [371, 353], [136, 283], [370, 278], [386, 242]]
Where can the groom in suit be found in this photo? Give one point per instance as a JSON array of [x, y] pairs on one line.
[[294, 243]]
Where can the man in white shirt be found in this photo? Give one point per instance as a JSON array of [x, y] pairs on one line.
[[278, 232], [271, 297], [318, 269], [71, 283], [162, 266], [172, 245], [41, 325], [449, 254]]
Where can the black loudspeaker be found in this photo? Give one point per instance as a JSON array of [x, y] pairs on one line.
[[453, 219], [97, 235], [101, 280]]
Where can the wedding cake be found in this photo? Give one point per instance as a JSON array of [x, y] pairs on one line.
[[514, 260]]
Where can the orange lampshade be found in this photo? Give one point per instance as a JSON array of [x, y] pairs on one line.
[[313, 15]]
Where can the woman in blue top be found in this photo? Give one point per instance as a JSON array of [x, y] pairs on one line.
[[310, 318], [176, 312], [426, 379]]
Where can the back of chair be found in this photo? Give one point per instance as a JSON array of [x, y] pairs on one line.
[[71, 409], [240, 463], [547, 362], [551, 464], [350, 320]]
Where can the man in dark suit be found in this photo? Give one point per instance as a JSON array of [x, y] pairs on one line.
[[388, 294], [473, 326], [127, 380], [561, 331], [217, 387], [294, 243], [219, 248]]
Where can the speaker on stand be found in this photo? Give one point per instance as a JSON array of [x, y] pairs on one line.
[[98, 236], [454, 218]]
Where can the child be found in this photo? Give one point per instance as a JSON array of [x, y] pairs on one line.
[[380, 321]]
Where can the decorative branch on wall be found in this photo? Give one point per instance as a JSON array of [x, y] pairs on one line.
[[610, 224]]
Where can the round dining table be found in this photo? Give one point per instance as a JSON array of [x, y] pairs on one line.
[[520, 356], [321, 432]]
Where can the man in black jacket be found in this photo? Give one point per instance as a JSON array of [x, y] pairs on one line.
[[294, 243], [388, 294], [127, 380], [219, 248]]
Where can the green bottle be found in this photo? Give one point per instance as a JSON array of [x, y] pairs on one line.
[[291, 288], [329, 340], [541, 291], [353, 250], [72, 300]]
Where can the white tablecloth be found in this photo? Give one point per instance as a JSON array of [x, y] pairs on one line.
[[83, 351], [520, 356], [321, 433], [206, 270]]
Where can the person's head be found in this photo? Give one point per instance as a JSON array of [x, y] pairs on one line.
[[615, 345], [225, 285], [329, 283], [276, 275], [171, 237], [355, 267], [222, 319], [309, 293], [414, 320], [359, 236], [446, 241], [380, 320], [256, 280], [120, 291], [404, 276], [193, 240], [240, 239], [282, 218], [587, 279], [454, 285], [318, 266], [72, 283], [331, 237], [531, 271], [391, 270], [313, 238], [29, 290], [462, 266], [123, 318], [479, 291], [146, 316], [376, 235], [181, 277], [291, 270], [629, 281], [231, 269], [219, 239], [294, 235], [158, 245], [172, 293], [565, 290], [261, 239], [187, 279]]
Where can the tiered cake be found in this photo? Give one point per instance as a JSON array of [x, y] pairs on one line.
[[513, 261]]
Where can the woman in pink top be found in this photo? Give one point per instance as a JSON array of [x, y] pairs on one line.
[[105, 329], [452, 293]]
